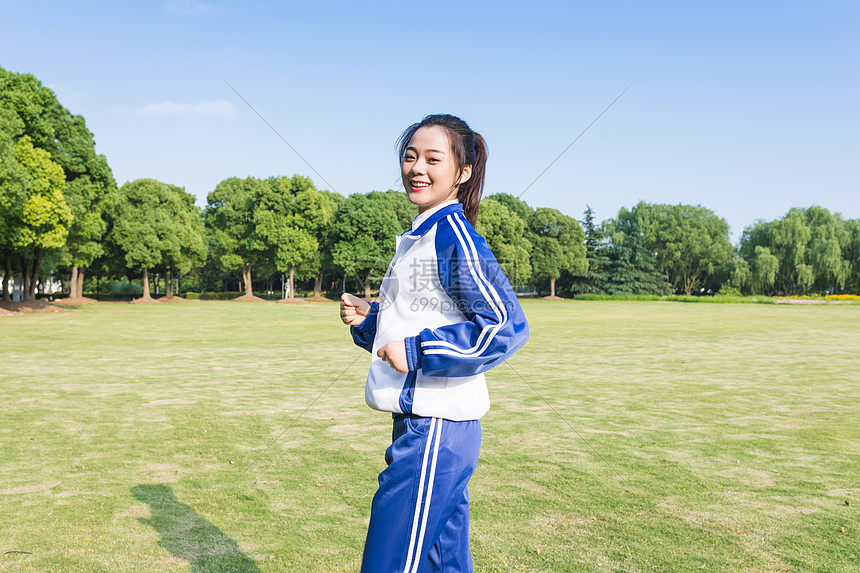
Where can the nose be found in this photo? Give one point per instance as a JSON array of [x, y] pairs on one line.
[[418, 166]]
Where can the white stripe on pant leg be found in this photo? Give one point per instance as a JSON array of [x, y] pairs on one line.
[[429, 496], [420, 494]]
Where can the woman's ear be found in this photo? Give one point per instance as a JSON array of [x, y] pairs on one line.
[[465, 175]]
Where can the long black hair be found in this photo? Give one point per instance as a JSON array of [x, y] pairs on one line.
[[468, 148]]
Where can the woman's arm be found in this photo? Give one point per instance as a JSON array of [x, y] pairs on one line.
[[495, 327]]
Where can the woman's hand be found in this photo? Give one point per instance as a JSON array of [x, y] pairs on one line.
[[353, 310], [395, 354]]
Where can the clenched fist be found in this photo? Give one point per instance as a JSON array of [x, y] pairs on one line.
[[395, 354], [353, 310]]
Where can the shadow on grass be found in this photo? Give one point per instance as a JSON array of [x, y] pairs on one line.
[[189, 536]]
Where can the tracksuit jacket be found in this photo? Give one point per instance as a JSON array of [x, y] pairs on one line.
[[445, 294]]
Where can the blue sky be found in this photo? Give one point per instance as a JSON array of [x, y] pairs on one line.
[[747, 108]]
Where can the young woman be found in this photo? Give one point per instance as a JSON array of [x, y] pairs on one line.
[[446, 313]]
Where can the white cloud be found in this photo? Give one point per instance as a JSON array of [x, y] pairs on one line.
[[192, 8], [219, 107]]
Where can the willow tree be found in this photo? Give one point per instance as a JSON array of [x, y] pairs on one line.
[[813, 249], [691, 242]]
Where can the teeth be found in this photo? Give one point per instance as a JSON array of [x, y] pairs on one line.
[[420, 184]]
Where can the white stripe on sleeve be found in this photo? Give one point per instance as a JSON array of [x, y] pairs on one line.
[[492, 297]]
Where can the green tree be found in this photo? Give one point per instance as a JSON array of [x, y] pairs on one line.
[[89, 180], [154, 226], [594, 277], [812, 247], [788, 241], [824, 253], [764, 269], [514, 204], [289, 217], [230, 219], [183, 244], [39, 115], [633, 268], [324, 237], [558, 243], [136, 218], [505, 233], [758, 234], [25, 102], [13, 190], [852, 254], [34, 213], [314, 214], [741, 274], [403, 208], [362, 240], [691, 242], [757, 273]]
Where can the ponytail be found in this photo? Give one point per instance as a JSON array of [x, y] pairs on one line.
[[469, 193], [468, 148]]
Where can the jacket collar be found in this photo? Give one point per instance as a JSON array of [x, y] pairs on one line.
[[427, 219]]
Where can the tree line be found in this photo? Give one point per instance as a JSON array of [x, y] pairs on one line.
[[62, 212]]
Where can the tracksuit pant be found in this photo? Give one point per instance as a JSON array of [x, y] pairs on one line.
[[419, 520]]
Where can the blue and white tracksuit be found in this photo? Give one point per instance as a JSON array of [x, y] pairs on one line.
[[445, 295]]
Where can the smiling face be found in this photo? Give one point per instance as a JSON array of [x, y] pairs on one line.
[[429, 168]]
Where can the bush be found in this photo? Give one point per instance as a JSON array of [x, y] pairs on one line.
[[213, 295], [230, 295], [678, 298], [125, 287], [189, 284], [728, 290]]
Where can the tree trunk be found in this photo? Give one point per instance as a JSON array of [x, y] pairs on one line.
[[318, 285], [690, 282], [146, 284], [81, 271], [367, 287], [292, 282], [36, 264], [552, 287], [6, 296], [73, 284], [246, 279], [30, 281], [168, 285], [25, 278]]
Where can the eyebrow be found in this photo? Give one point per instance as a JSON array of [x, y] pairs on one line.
[[410, 148]]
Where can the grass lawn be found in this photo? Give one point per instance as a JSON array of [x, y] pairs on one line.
[[625, 436]]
